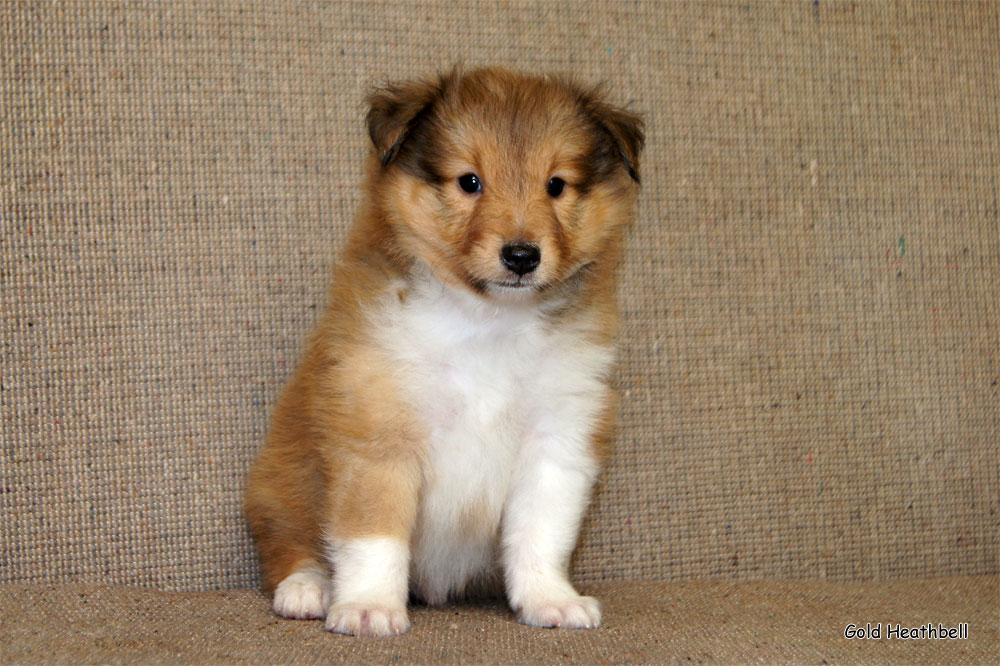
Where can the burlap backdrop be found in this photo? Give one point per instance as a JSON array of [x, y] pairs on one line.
[[811, 340]]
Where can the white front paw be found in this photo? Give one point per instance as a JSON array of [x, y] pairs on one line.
[[303, 595], [573, 612], [367, 620]]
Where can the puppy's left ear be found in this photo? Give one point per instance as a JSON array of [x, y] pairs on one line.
[[622, 128], [627, 131], [395, 110]]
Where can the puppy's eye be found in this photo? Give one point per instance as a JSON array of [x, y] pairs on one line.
[[555, 187], [470, 183]]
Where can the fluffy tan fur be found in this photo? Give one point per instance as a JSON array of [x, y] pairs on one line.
[[344, 455]]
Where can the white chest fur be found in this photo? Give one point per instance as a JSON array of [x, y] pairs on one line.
[[501, 390]]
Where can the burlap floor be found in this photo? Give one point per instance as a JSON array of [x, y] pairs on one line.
[[685, 623]]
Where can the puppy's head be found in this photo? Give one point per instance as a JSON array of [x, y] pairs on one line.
[[504, 183]]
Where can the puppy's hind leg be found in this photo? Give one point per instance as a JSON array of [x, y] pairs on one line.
[[305, 593], [301, 585], [288, 544]]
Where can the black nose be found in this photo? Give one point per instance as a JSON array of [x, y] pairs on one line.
[[521, 257]]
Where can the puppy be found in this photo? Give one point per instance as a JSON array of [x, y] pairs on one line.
[[442, 434]]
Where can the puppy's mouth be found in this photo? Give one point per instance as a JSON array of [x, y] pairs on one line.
[[515, 284], [520, 284]]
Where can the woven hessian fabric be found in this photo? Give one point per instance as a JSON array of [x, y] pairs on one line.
[[810, 353], [695, 622]]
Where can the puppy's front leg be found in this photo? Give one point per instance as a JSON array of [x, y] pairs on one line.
[[541, 523], [373, 509]]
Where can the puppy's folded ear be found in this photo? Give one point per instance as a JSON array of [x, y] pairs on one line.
[[395, 110], [623, 136], [627, 131]]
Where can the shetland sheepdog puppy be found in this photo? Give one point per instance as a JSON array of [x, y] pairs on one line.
[[443, 431]]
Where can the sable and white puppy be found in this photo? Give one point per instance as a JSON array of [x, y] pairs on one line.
[[442, 434]]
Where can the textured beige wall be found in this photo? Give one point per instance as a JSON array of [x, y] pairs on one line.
[[811, 347]]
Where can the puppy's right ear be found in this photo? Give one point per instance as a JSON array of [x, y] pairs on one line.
[[395, 110]]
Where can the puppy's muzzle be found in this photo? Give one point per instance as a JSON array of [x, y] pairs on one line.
[[521, 258]]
